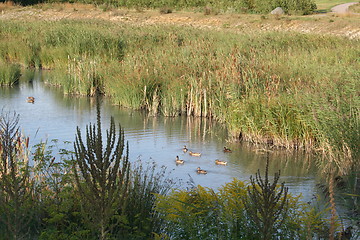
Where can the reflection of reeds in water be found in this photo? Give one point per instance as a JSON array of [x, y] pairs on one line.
[[296, 164]]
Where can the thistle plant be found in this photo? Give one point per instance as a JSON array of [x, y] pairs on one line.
[[101, 174], [266, 204]]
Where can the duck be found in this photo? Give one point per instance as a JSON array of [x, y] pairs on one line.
[[30, 99], [227, 149], [185, 149], [178, 161], [194, 154], [201, 171], [218, 162]]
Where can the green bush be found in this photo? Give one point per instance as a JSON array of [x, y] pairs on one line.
[[259, 210]]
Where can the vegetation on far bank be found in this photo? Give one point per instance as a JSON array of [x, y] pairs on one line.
[[229, 6]]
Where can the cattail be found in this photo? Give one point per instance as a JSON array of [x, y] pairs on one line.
[[332, 206]]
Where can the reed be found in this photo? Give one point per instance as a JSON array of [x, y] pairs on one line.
[[265, 87], [9, 74]]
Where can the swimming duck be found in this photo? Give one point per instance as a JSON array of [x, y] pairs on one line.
[[185, 149], [227, 149], [30, 99], [218, 162], [201, 171], [194, 154], [178, 161]]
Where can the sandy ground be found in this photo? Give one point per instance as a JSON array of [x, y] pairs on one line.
[[339, 24]]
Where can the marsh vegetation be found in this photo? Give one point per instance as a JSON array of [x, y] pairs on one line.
[[283, 89]]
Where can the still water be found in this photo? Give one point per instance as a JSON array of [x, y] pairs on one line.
[[154, 139]]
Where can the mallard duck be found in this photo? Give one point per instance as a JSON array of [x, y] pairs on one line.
[[185, 149], [178, 161], [201, 171], [30, 99], [227, 149], [194, 154], [218, 162]]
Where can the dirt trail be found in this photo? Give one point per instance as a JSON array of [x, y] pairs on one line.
[[342, 8], [347, 26]]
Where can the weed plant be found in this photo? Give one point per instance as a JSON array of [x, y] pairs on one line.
[[46, 198]]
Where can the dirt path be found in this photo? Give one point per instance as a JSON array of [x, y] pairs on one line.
[[342, 8]]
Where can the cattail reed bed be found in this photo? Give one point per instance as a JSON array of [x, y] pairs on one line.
[[285, 89]]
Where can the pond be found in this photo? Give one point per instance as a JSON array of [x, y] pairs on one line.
[[155, 139]]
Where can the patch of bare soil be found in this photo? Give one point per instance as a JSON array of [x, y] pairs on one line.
[[347, 25]]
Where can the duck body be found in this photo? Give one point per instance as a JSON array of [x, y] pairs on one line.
[[201, 171], [194, 154], [30, 99], [218, 162], [185, 149], [179, 161], [227, 149]]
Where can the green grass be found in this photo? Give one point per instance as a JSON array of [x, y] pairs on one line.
[[9, 74], [269, 87]]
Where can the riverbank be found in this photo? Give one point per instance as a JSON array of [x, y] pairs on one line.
[[283, 88]]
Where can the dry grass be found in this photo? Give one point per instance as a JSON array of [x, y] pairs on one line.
[[355, 8], [4, 6], [346, 25]]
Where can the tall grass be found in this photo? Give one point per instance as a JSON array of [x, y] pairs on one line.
[[275, 88], [9, 74]]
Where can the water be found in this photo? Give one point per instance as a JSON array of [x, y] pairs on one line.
[[154, 139]]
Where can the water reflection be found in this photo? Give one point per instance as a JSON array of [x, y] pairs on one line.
[[158, 139]]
